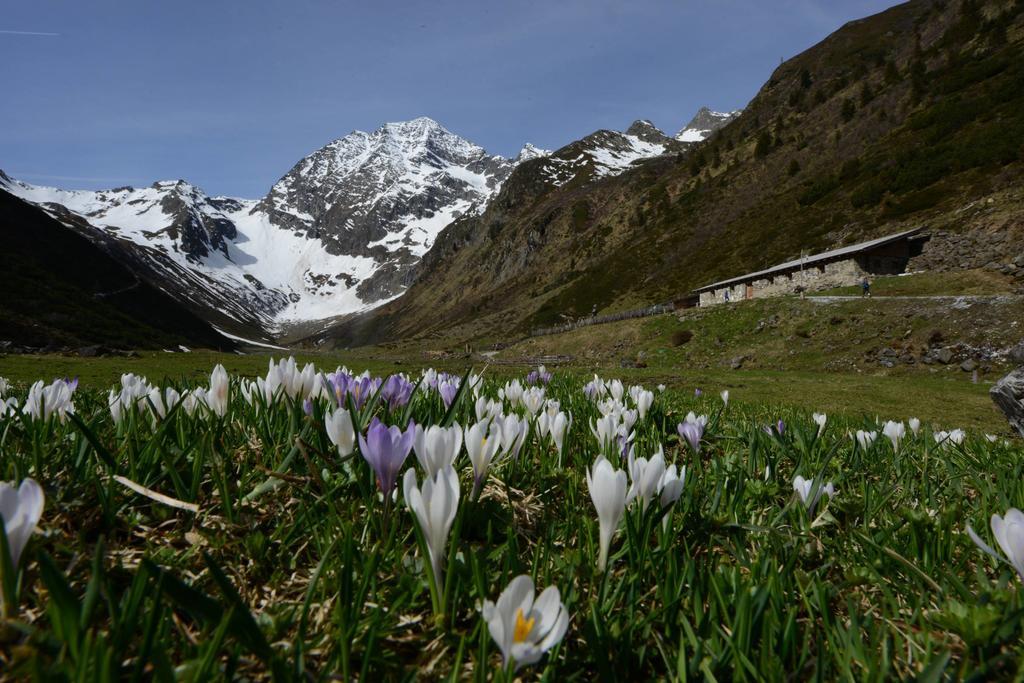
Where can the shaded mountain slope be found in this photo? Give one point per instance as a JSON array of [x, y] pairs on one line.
[[61, 289], [911, 117]]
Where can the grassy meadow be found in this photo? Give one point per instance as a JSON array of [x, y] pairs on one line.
[[215, 527]]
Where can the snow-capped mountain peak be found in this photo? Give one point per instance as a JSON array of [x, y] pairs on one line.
[[529, 152], [337, 234], [704, 123]]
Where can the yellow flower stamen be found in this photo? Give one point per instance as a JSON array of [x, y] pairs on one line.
[[523, 627]]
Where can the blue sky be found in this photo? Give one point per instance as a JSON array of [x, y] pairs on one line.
[[229, 94]]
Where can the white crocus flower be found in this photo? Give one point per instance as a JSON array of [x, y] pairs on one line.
[[482, 440], [193, 399], [944, 439], [1009, 534], [643, 403], [514, 431], [700, 420], [434, 506], [486, 409], [437, 447], [20, 510], [8, 407], [645, 478], [608, 492], [218, 397], [513, 392], [672, 485], [803, 488], [616, 389], [52, 399], [629, 418], [543, 423], [895, 431], [533, 400], [865, 439], [523, 628], [161, 402], [605, 430], [560, 426], [341, 431], [5, 386], [915, 425], [725, 397], [661, 388], [114, 403], [821, 419]]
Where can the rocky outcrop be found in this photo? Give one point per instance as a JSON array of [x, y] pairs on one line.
[[1008, 395], [1000, 250]]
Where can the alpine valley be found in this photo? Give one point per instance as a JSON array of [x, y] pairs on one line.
[[908, 119], [340, 233]]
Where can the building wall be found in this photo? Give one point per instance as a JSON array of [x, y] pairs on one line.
[[887, 259], [812, 278]]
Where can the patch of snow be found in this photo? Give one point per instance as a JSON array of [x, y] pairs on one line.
[[247, 341]]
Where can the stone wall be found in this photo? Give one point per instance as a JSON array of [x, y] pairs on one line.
[[999, 250]]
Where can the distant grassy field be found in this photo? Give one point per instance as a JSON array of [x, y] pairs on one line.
[[949, 399]]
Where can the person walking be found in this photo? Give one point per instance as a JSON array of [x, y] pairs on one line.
[[865, 288]]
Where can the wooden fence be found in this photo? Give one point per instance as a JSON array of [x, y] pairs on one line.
[[657, 309]]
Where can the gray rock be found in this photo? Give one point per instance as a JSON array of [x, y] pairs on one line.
[[969, 365], [737, 362], [944, 356], [1008, 395], [1016, 354]]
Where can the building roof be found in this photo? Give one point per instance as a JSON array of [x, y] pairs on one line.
[[812, 260]]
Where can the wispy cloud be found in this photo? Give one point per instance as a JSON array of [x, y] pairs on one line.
[[73, 178], [28, 33]]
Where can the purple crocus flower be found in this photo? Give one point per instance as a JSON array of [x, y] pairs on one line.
[[339, 382], [691, 432], [307, 407], [72, 384], [448, 389], [386, 449], [697, 393], [396, 391], [780, 427]]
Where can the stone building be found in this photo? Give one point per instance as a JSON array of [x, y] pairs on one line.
[[836, 268]]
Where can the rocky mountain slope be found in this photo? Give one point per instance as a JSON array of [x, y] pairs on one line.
[[911, 117], [61, 289]]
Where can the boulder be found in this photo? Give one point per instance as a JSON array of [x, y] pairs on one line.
[[1016, 354], [944, 355], [737, 362], [1008, 395], [969, 365]]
